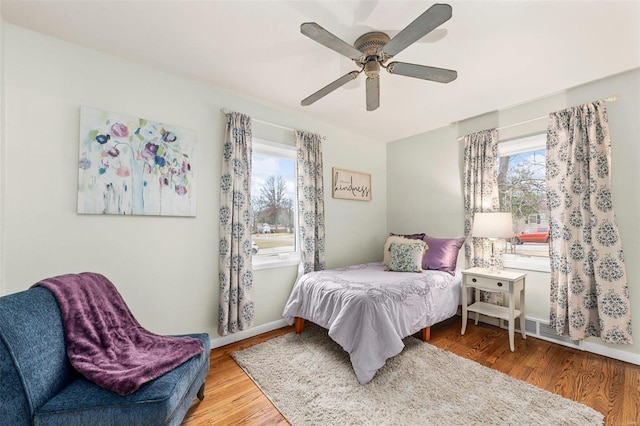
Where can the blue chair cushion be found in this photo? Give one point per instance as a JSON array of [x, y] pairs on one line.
[[163, 401]]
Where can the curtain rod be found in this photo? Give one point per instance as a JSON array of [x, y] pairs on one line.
[[609, 99], [226, 111], [279, 126]]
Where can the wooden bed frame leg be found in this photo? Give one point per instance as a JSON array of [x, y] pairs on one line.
[[298, 325], [426, 334]]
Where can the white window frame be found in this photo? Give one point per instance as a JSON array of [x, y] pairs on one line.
[[278, 260], [517, 146]]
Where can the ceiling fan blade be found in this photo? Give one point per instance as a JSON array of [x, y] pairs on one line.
[[432, 18], [373, 93], [330, 88], [440, 75], [324, 37]]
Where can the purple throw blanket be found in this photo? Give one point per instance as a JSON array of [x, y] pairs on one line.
[[105, 343]]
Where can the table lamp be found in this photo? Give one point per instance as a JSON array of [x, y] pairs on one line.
[[492, 225]]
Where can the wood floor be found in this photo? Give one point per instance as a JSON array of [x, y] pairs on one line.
[[609, 386]]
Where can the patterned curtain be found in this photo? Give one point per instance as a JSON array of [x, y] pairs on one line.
[[589, 293], [310, 193], [236, 274], [480, 195], [480, 191]]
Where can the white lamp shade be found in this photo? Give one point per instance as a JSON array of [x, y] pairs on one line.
[[492, 225]]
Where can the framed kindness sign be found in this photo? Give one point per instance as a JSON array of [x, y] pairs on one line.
[[351, 185]]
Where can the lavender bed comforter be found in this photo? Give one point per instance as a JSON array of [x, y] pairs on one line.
[[104, 341], [368, 311]]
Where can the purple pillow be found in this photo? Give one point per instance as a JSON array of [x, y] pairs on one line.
[[410, 236], [442, 254]]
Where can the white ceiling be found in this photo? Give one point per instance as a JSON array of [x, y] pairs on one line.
[[505, 52]]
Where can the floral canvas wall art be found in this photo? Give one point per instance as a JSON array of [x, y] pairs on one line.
[[134, 166]]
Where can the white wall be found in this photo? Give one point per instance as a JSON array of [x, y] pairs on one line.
[[165, 267], [424, 184], [2, 153], [425, 181]]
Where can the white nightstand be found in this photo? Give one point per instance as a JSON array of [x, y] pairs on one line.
[[506, 282]]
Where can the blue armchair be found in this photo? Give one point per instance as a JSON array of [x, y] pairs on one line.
[[38, 385]]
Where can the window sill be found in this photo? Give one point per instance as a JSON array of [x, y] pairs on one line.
[[275, 261], [529, 263]]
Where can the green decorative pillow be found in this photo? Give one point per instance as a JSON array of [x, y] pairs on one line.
[[406, 257], [387, 247]]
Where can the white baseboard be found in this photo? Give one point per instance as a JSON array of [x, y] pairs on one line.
[[610, 352], [534, 329], [589, 345], [241, 335]]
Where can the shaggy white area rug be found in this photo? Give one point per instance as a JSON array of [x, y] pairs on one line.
[[309, 378]]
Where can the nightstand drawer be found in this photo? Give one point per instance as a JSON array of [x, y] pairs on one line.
[[489, 284]]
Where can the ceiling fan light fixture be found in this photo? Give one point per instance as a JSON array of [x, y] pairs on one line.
[[372, 69]]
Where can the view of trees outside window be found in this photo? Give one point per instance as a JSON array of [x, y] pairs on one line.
[[273, 202], [521, 182]]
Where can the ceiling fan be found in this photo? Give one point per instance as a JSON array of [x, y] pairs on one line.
[[372, 50]]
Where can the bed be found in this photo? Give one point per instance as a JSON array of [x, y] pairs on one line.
[[368, 310]]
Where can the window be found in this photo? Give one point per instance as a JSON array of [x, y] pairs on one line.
[[522, 186], [273, 200]]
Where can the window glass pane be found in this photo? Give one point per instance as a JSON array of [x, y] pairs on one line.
[[521, 181], [273, 201]]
